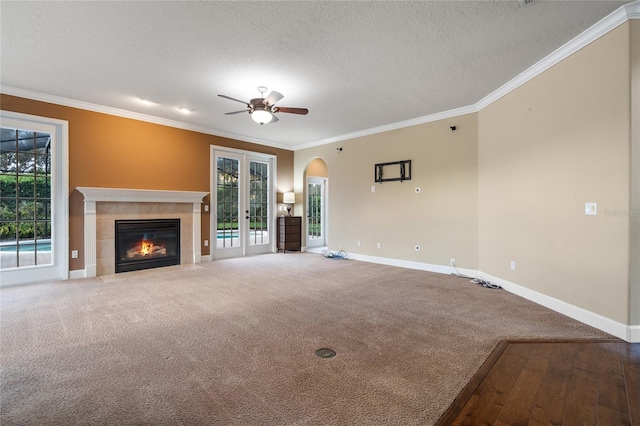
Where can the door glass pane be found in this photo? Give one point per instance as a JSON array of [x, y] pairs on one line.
[[314, 219], [227, 199], [258, 203], [25, 198]]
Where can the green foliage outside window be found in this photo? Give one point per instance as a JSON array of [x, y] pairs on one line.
[[25, 207]]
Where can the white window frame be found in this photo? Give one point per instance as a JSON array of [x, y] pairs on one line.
[[59, 268]]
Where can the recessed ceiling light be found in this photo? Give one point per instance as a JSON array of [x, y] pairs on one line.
[[184, 110], [147, 101]]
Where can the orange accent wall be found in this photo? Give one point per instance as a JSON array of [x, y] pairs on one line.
[[115, 152]]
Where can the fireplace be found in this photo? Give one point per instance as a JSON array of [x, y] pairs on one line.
[[144, 244]]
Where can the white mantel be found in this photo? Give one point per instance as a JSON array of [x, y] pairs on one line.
[[118, 195], [140, 195]]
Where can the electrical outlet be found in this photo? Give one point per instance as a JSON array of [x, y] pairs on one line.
[[379, 245], [206, 243], [358, 243], [513, 265], [206, 207], [373, 188], [74, 254], [591, 209], [452, 261]]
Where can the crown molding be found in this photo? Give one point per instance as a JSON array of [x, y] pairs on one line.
[[393, 126], [88, 106], [597, 30], [633, 10], [602, 27]]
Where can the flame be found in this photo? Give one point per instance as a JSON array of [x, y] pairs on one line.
[[146, 247]]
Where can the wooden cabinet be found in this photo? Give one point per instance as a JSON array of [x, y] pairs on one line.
[[289, 237]]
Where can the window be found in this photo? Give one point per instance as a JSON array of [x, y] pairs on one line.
[[33, 199]]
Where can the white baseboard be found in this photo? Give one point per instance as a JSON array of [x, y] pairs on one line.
[[314, 249], [630, 333], [598, 321], [205, 258], [77, 274], [402, 263]]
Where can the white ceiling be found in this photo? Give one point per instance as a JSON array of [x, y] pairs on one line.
[[355, 65]]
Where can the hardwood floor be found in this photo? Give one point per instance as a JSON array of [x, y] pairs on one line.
[[593, 382]]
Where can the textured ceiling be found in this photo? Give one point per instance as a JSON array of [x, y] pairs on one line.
[[354, 65]]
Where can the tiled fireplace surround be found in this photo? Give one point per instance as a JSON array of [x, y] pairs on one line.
[[103, 206]]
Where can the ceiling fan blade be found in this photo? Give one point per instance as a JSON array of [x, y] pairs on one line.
[[273, 97], [236, 112], [273, 118], [233, 99], [301, 111]]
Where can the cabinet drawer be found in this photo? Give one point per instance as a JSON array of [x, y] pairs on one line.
[[290, 238], [292, 220], [292, 246], [291, 230]]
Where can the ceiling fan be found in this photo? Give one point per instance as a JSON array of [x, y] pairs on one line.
[[263, 109]]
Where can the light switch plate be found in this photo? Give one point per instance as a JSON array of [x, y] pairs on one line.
[[591, 209]]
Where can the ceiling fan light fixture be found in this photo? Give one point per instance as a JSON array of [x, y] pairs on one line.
[[263, 110], [262, 116]]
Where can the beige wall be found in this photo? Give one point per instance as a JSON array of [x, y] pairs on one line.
[[545, 149], [634, 219], [511, 184], [115, 152], [442, 218]]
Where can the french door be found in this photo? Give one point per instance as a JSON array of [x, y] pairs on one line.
[[243, 188], [33, 199], [316, 212]]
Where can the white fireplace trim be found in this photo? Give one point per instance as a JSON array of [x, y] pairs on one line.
[[93, 195]]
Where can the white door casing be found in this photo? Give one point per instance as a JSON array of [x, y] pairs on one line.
[[242, 203], [316, 211]]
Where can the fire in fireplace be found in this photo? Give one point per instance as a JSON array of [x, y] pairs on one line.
[[144, 244]]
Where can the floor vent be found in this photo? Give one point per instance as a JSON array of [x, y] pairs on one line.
[[325, 353]]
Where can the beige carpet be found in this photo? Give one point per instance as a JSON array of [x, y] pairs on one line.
[[232, 342]]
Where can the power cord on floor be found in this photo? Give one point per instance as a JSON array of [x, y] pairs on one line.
[[476, 280], [484, 283], [340, 254]]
